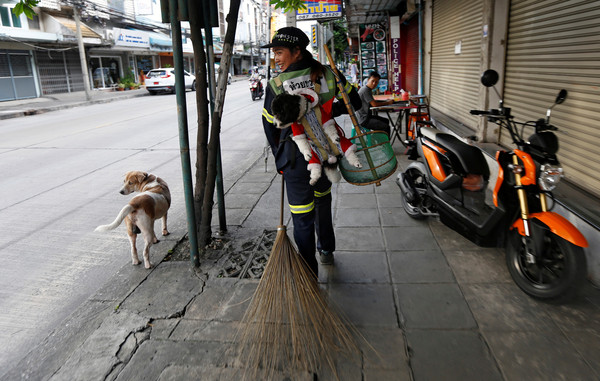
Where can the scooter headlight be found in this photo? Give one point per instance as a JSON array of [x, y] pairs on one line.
[[550, 176]]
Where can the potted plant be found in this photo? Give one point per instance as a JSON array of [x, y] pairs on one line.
[[120, 86]]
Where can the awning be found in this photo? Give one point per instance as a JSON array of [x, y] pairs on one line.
[[70, 24], [160, 41]]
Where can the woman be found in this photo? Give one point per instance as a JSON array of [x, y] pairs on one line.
[[310, 205]]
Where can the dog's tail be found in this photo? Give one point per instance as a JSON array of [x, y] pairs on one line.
[[124, 212]]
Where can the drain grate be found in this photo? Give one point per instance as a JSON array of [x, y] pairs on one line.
[[251, 260]]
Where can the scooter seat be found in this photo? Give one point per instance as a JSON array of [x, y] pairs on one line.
[[470, 157], [430, 132]]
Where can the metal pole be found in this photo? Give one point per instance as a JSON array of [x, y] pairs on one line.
[[421, 91], [212, 92], [184, 145], [332, 41], [269, 40], [82, 59]]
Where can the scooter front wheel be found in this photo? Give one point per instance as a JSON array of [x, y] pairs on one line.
[[555, 275], [414, 208]]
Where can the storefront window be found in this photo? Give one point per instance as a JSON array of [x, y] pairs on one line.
[[144, 63], [105, 71]]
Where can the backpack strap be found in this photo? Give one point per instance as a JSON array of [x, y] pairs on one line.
[[276, 85]]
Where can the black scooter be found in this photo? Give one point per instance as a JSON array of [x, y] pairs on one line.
[[544, 251]]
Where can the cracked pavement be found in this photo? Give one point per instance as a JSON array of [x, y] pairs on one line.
[[432, 305]]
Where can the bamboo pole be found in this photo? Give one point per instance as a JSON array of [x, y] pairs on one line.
[[346, 98]]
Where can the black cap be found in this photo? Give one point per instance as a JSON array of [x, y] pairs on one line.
[[288, 37]]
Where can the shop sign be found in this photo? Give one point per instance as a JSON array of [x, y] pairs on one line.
[[371, 32], [132, 38], [396, 85], [373, 53], [318, 10], [143, 7]]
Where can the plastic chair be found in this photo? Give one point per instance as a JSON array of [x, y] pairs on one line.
[[419, 113]]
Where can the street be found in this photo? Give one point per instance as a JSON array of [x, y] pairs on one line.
[[60, 176]]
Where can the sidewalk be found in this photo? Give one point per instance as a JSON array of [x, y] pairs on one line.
[[433, 305], [24, 107], [33, 106]]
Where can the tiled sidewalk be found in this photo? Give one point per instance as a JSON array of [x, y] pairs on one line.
[[433, 306]]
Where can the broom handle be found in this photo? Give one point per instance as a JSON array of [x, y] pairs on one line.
[[282, 195], [357, 127]]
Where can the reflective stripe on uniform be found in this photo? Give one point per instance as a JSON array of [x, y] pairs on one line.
[[331, 83], [299, 209], [347, 89], [267, 116], [322, 194]]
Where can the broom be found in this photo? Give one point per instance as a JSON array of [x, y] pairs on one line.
[[289, 325]]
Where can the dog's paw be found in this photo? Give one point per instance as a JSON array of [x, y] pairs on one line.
[[165, 232], [148, 265], [135, 262], [353, 159]]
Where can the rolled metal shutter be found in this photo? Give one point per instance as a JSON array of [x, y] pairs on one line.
[[454, 88], [554, 45], [410, 59]]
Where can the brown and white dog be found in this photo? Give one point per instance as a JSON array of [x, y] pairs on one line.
[[141, 212]]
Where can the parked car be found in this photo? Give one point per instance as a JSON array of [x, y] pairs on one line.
[[163, 79]]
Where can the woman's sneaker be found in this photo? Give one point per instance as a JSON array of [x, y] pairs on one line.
[[326, 257]]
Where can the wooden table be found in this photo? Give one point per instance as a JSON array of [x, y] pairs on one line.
[[403, 109]]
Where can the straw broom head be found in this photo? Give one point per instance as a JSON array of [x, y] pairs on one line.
[[289, 324]]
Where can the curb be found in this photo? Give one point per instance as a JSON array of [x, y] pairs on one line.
[[43, 109]]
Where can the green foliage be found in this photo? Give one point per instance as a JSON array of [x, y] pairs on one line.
[[340, 38], [128, 80], [289, 5], [25, 6]]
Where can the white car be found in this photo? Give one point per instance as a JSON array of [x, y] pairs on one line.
[[164, 80], [217, 74]]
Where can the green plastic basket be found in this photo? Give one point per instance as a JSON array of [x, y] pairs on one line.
[[379, 151]]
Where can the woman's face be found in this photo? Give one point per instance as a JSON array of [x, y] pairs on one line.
[[284, 57]]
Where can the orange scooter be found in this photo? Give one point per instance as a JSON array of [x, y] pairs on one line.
[[544, 251]]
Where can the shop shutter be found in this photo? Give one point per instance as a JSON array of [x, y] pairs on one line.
[[410, 67], [554, 45], [59, 72], [454, 84]]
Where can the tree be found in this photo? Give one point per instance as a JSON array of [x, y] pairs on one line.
[[206, 157], [340, 38], [289, 5], [25, 6]]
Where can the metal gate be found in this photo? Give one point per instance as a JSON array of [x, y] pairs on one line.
[[16, 75], [554, 45], [60, 72], [456, 58]]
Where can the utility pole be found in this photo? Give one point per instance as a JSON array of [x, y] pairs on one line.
[[268, 59], [332, 41], [82, 59]]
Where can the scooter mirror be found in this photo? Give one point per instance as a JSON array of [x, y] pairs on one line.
[[489, 78], [560, 98]]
